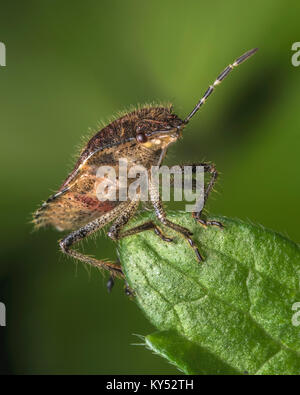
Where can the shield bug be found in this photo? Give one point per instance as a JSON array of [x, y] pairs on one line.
[[142, 137]]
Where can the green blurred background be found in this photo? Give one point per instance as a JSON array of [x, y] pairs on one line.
[[71, 64]]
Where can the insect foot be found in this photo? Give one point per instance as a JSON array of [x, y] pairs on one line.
[[128, 291], [206, 223], [110, 284]]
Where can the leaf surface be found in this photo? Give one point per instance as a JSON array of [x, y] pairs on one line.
[[230, 314]]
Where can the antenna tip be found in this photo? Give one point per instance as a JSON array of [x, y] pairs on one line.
[[251, 52], [245, 56]]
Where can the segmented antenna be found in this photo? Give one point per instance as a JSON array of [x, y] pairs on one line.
[[218, 80]]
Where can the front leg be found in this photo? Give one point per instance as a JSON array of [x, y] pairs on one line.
[[208, 168], [211, 169], [161, 215]]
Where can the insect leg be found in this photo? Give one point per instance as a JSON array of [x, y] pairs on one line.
[[150, 225], [161, 215], [114, 233], [75, 237], [115, 230], [211, 169], [127, 213], [78, 235], [208, 168]]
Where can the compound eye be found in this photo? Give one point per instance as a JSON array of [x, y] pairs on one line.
[[141, 138]]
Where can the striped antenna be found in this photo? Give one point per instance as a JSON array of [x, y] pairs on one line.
[[218, 80]]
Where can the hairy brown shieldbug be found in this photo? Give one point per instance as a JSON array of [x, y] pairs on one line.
[[142, 137]]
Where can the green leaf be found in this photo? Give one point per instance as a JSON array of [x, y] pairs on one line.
[[231, 313], [186, 355]]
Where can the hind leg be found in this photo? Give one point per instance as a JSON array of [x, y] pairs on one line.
[[78, 235], [86, 230]]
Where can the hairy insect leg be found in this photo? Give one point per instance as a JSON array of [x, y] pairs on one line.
[[211, 169], [161, 215], [114, 233], [127, 213], [115, 230], [78, 235], [150, 225]]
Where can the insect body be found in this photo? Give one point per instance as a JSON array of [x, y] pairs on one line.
[[142, 137]]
